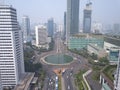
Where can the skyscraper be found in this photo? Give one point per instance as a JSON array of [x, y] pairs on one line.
[[64, 32], [72, 17], [50, 27], [26, 28], [87, 18], [11, 48]]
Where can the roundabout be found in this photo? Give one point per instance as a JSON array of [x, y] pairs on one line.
[[58, 59]]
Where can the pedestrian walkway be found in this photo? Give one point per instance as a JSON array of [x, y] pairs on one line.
[[84, 75]]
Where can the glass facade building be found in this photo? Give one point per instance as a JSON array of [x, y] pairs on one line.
[[87, 19], [113, 55], [26, 28], [72, 17], [64, 32], [50, 27], [82, 42]]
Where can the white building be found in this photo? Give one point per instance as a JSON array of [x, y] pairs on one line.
[[41, 36], [26, 28], [93, 48], [11, 48], [97, 27]]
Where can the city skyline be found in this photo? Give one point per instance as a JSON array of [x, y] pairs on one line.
[[49, 61], [102, 12]]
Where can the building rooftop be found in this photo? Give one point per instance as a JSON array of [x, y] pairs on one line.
[[84, 35], [95, 46], [25, 82], [34, 80]]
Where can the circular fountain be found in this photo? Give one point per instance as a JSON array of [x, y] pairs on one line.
[[58, 59]]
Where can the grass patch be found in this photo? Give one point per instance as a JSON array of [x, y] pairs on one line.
[[109, 71], [79, 82], [96, 75]]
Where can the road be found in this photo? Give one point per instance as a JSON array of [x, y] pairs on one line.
[[71, 69]]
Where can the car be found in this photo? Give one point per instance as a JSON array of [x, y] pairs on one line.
[[56, 77], [67, 76], [68, 87]]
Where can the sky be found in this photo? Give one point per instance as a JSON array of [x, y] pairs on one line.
[[39, 11]]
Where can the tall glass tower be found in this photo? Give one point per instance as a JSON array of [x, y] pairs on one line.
[[26, 28], [64, 32], [87, 18], [72, 17], [50, 27]]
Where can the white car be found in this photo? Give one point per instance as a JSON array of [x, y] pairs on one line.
[[68, 87]]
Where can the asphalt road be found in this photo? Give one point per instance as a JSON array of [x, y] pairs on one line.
[[73, 68]]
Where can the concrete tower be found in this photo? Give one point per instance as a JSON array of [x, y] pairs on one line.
[[11, 48]]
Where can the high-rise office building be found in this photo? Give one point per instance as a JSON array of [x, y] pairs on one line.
[[72, 17], [26, 28], [50, 27], [11, 48], [64, 31], [87, 18]]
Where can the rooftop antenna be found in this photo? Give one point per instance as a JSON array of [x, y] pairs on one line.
[[2, 2]]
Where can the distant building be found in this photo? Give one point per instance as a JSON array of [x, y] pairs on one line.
[[81, 41], [72, 22], [55, 28], [11, 48], [50, 27], [64, 31], [116, 28], [41, 37], [97, 28], [26, 28], [87, 18]]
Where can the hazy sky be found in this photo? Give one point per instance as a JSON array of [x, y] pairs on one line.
[[105, 11]]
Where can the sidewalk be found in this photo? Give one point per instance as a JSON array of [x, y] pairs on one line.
[[86, 74]]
